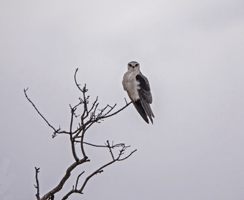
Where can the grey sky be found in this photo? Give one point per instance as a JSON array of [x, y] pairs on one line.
[[192, 54]]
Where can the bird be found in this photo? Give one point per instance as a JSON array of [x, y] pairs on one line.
[[138, 89]]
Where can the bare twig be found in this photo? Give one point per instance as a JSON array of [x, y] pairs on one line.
[[94, 103], [37, 186], [94, 173], [77, 180], [100, 169], [72, 117], [81, 143], [128, 155], [105, 146], [25, 91], [94, 145], [117, 111], [78, 85], [110, 150], [70, 134]]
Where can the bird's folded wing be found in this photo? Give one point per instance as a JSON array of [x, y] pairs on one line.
[[147, 109], [145, 95], [144, 88], [140, 109]]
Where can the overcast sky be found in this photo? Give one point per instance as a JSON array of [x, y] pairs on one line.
[[192, 52]]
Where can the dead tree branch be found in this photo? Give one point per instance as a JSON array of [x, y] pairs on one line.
[[25, 91], [87, 118], [37, 170], [100, 170]]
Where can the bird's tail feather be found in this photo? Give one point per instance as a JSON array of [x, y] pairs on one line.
[[151, 111], [141, 110], [147, 109]]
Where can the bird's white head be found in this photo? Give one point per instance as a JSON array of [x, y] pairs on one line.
[[133, 65]]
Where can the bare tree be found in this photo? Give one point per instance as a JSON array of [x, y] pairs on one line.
[[87, 118]]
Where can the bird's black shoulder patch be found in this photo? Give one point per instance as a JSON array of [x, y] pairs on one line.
[[142, 82]]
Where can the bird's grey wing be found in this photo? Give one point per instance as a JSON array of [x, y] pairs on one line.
[[124, 80], [145, 95]]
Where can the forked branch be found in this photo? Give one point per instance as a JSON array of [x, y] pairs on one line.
[[88, 117]]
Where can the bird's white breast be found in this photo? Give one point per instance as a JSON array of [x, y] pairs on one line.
[[131, 85]]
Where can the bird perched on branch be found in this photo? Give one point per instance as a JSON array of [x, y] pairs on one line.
[[137, 87]]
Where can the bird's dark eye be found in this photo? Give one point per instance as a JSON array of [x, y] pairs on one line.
[[136, 64], [130, 65]]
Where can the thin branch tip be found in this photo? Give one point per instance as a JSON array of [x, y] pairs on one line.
[[25, 90]]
